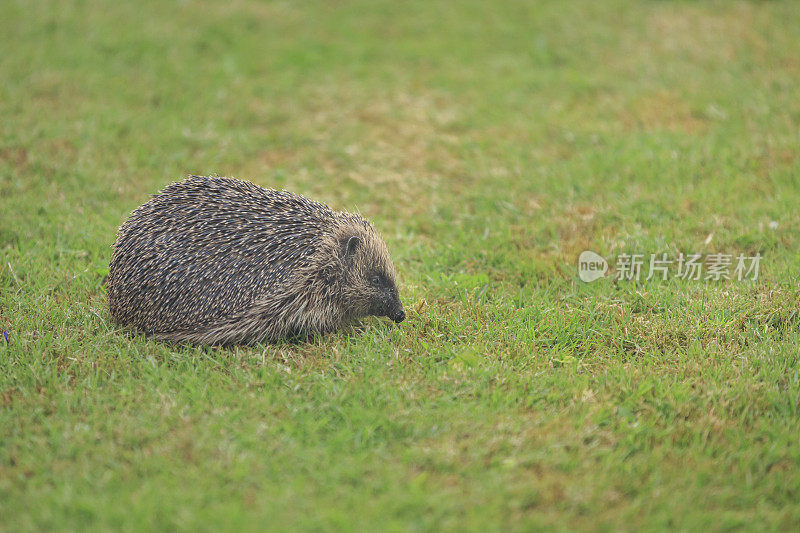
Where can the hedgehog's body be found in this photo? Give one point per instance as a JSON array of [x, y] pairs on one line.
[[223, 261]]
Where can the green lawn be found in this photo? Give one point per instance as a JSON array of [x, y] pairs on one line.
[[490, 143]]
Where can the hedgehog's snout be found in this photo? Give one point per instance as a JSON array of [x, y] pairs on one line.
[[389, 306], [395, 307], [398, 316], [392, 309]]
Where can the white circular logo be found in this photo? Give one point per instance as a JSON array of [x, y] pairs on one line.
[[591, 266]]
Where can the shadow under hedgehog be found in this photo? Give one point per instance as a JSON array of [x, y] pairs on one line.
[[213, 260]]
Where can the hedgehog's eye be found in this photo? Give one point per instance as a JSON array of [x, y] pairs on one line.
[[375, 280]]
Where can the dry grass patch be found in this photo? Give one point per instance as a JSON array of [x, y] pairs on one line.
[[662, 110]]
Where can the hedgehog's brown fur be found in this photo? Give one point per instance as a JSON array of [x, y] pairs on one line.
[[224, 261]]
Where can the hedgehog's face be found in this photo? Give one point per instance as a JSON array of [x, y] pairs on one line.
[[370, 282]]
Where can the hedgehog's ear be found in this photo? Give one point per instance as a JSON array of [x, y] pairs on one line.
[[351, 247]]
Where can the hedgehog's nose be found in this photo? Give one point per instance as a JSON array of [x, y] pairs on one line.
[[399, 316]]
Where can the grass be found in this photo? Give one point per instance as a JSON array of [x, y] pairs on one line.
[[490, 144]]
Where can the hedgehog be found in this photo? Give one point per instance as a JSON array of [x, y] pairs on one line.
[[216, 260]]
